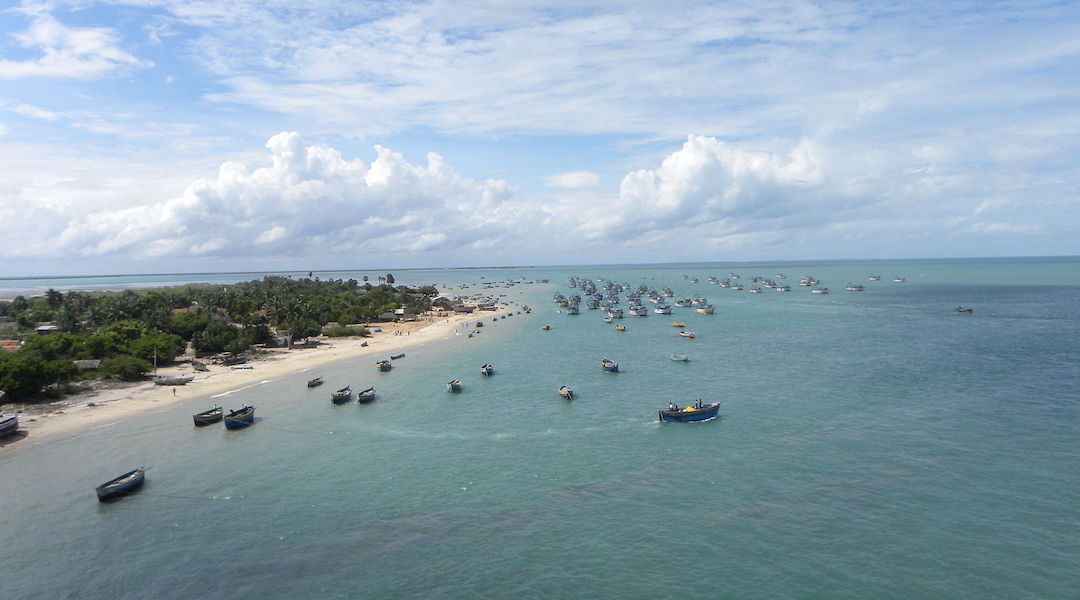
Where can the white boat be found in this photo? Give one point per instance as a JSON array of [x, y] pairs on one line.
[[8, 425], [899, 279], [615, 313], [820, 290], [662, 309], [853, 287], [705, 309]]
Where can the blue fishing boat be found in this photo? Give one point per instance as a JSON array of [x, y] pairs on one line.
[[697, 412], [122, 485], [241, 417], [680, 357], [341, 396], [609, 365]]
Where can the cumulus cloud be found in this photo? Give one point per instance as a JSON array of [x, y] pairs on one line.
[[707, 182], [67, 52], [309, 201]]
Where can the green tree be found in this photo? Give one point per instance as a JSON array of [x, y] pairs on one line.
[[126, 367], [23, 375], [389, 279]]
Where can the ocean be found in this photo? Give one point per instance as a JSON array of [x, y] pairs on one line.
[[873, 444]]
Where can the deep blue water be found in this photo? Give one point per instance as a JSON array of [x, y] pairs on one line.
[[870, 445]]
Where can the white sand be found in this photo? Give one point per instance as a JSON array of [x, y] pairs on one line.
[[75, 413]]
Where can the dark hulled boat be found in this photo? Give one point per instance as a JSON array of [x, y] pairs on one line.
[[567, 392], [454, 386], [315, 382], [208, 417], [487, 369], [384, 365], [122, 485], [609, 365], [341, 396], [366, 396], [697, 412], [241, 417]]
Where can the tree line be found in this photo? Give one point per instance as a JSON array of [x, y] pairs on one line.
[[129, 330]]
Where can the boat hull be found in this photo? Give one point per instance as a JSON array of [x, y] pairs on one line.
[[240, 418], [687, 416], [121, 486], [208, 417], [366, 396], [8, 426]]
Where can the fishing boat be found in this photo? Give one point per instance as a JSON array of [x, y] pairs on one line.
[[567, 392], [454, 386], [688, 334], [243, 368], [161, 380], [607, 320], [820, 290], [680, 357], [366, 396], [397, 356], [122, 485], [384, 365], [341, 396], [961, 309], [662, 309], [8, 425], [545, 327], [207, 417], [705, 309], [874, 278], [697, 412], [315, 382], [853, 287], [199, 366], [609, 365], [678, 324], [899, 279], [487, 369], [241, 417]]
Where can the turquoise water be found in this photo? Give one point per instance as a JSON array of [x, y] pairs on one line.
[[873, 445]]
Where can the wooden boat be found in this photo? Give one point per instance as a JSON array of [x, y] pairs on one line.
[[384, 365], [241, 417], [678, 324], [199, 366], [687, 334], [697, 412], [173, 380], [315, 382], [961, 309], [454, 386], [397, 356], [366, 396], [122, 485], [487, 369], [567, 392], [609, 365], [341, 396], [680, 357], [607, 319], [479, 323], [8, 425], [207, 417], [620, 328]]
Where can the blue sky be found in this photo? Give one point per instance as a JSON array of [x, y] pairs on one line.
[[171, 135]]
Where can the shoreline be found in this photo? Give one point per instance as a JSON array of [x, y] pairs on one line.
[[73, 414]]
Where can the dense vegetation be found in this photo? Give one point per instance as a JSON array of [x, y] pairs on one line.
[[128, 330]]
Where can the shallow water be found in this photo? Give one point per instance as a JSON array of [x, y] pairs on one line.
[[873, 445]]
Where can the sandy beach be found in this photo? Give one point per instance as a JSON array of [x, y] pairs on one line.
[[74, 413]]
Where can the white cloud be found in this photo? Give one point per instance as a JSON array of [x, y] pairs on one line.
[[573, 179], [310, 201], [67, 52]]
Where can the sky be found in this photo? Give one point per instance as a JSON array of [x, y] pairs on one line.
[[153, 136]]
